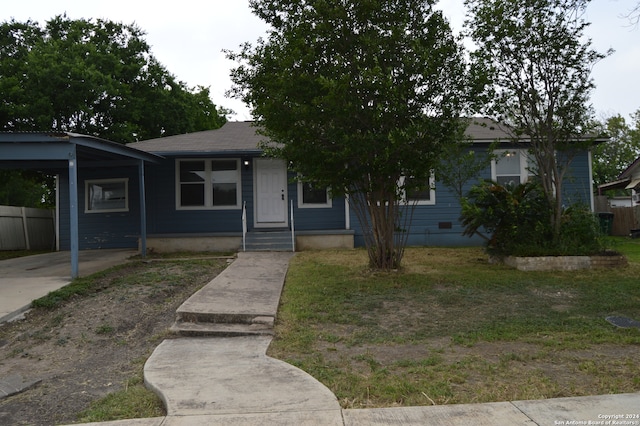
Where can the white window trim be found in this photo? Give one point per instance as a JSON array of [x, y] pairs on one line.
[[523, 157], [303, 205], [88, 183], [432, 193], [208, 185]]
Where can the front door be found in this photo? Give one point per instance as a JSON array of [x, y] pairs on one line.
[[271, 192]]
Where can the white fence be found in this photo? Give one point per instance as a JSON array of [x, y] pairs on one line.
[[24, 228]]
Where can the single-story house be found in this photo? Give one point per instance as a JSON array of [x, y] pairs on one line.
[[214, 190]]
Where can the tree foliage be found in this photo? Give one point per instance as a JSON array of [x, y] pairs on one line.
[[356, 95], [460, 164], [634, 14], [539, 63], [613, 157], [97, 78], [91, 77], [26, 188]]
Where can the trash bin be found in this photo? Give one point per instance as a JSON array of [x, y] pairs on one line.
[[606, 222]]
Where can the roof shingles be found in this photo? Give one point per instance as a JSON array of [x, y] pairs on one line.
[[241, 137], [232, 137]]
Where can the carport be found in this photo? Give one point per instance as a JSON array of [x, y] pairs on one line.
[[55, 152]]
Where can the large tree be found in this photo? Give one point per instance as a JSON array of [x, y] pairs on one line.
[[358, 96], [539, 62], [612, 158], [94, 77], [91, 77]]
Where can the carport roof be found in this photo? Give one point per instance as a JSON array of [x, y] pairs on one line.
[[54, 149]]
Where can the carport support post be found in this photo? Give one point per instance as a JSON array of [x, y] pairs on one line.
[[73, 211], [143, 212]]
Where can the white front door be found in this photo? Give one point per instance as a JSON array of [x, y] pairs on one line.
[[271, 192]]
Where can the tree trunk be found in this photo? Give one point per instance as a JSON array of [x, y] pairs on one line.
[[382, 225]]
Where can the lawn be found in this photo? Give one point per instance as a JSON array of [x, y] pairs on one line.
[[451, 328]]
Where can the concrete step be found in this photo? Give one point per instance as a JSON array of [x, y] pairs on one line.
[[269, 241], [214, 318], [242, 300], [192, 329], [202, 325]]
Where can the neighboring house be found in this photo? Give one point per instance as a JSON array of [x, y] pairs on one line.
[[628, 179], [200, 191], [627, 222]]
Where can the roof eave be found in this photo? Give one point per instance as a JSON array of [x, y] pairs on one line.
[[113, 147]]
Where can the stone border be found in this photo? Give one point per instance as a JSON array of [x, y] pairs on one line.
[[563, 263]]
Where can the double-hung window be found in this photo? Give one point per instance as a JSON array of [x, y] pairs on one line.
[[310, 196], [511, 167], [208, 184], [424, 196], [106, 195]]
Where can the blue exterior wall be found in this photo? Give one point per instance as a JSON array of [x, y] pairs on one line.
[[316, 219], [101, 230], [439, 224], [433, 225], [577, 183], [164, 218]]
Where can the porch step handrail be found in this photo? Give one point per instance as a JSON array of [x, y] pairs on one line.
[[293, 230], [244, 226]]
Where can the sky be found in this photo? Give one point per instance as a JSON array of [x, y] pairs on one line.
[[188, 37]]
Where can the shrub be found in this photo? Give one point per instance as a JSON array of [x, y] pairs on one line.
[[515, 220]]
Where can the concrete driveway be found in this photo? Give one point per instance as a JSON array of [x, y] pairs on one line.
[[25, 279]]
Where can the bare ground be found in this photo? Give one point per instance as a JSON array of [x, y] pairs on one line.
[[95, 344]]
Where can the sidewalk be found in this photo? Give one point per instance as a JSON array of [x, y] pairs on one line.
[[25, 279]]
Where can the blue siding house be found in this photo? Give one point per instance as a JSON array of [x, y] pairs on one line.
[[215, 191], [209, 181]]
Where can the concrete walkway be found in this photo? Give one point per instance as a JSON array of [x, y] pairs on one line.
[[227, 380], [25, 279]]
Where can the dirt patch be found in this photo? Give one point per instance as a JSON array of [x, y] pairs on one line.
[[94, 344]]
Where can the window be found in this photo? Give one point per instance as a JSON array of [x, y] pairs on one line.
[[208, 184], [310, 196], [106, 195], [192, 183], [511, 167], [424, 196]]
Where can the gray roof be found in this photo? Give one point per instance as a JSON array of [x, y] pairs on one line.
[[232, 138], [238, 137], [487, 130]]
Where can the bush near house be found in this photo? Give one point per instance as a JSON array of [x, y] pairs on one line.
[[514, 220]]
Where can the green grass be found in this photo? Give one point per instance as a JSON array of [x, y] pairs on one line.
[[12, 254], [85, 286], [451, 328], [630, 247], [134, 401]]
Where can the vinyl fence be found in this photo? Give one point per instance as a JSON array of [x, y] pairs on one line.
[[24, 228]]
